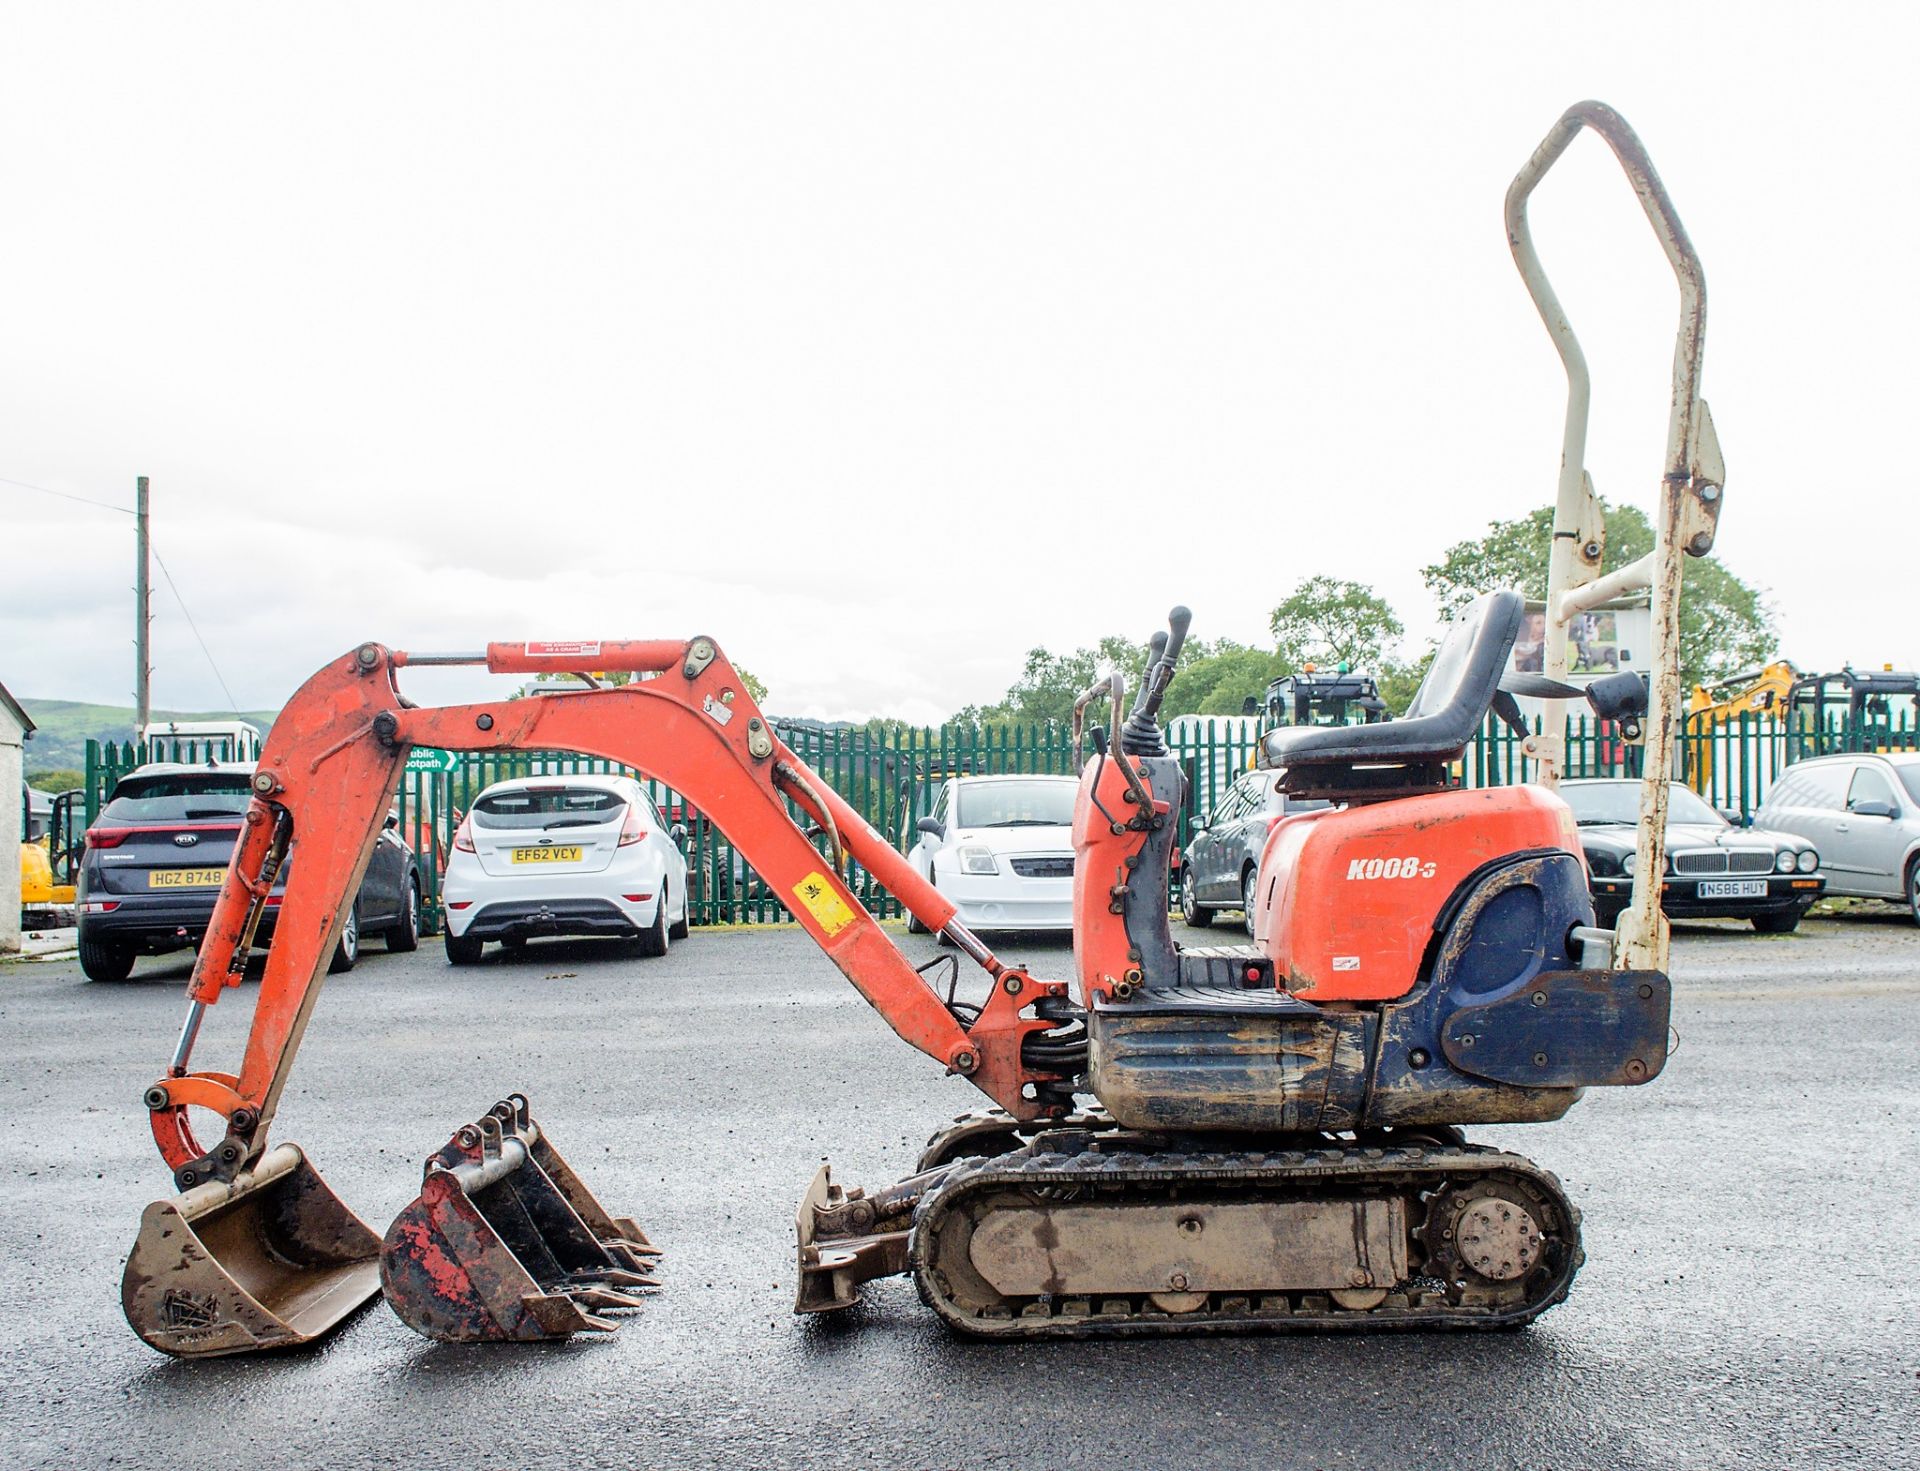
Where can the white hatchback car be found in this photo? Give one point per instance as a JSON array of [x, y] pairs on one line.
[[1001, 848], [564, 855]]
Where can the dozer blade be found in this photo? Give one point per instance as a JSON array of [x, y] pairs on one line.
[[269, 1260], [846, 1237], [504, 1242]]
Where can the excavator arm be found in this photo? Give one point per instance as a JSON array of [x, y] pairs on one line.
[[329, 770]]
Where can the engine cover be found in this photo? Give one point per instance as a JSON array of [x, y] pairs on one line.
[[1350, 898]]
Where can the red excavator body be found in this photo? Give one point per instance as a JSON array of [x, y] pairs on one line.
[[1349, 896], [1191, 1140]]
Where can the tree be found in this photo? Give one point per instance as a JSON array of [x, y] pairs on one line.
[[1725, 624], [1399, 680], [1046, 689], [1221, 678], [55, 781], [1323, 619], [1330, 621]]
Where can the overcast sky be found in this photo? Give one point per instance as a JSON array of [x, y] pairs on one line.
[[886, 342]]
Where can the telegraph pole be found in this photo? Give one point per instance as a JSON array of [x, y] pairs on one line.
[[143, 666]]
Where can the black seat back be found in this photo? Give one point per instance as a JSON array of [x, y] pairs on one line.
[[1359, 762]]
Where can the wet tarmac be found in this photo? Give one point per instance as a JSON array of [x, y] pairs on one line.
[[1749, 1298]]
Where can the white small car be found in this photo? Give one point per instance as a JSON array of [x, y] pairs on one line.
[[564, 855], [1001, 848]]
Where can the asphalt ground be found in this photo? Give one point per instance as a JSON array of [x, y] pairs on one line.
[[1749, 1298]]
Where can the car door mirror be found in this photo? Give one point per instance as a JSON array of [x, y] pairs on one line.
[[1198, 830], [1731, 816], [1870, 807], [678, 832], [933, 827], [393, 821]]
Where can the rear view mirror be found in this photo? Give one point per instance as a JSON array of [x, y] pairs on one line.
[[678, 832], [393, 821], [933, 827], [1868, 807]]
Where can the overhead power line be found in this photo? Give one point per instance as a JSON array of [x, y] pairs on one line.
[[63, 495], [232, 704], [185, 612]]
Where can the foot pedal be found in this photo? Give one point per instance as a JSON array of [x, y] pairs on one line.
[[505, 1244]]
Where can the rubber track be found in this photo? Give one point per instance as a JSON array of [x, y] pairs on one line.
[[1413, 1170]]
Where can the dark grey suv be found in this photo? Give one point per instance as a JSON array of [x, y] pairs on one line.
[[1222, 858], [157, 854]]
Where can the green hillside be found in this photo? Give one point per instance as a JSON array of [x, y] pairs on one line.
[[63, 728]]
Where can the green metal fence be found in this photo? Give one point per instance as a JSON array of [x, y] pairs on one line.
[[108, 761], [891, 776]]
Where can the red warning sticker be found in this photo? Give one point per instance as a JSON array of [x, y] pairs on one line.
[[563, 650]]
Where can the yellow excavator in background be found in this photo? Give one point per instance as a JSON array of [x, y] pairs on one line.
[[1713, 706], [46, 885]]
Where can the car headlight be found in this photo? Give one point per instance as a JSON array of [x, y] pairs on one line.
[[1785, 860], [1809, 861], [1627, 863], [978, 860]]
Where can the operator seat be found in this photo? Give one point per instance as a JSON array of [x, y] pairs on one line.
[[1396, 758]]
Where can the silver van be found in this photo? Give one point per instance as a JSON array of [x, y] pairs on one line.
[[1863, 813]]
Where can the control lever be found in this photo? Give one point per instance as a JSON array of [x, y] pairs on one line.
[[1141, 735]]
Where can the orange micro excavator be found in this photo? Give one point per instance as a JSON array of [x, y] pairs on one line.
[[1266, 1137]]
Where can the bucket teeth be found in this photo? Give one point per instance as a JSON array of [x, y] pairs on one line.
[[618, 1278], [505, 1242], [600, 1297]]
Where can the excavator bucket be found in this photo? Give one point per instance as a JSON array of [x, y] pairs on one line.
[[504, 1242], [269, 1260]]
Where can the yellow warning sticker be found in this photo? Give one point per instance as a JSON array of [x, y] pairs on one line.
[[817, 896]]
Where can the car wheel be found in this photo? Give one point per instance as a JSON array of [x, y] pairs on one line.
[[1777, 924], [405, 935], [464, 949], [346, 949], [655, 938], [1249, 896], [103, 960], [680, 928], [1913, 890], [1190, 907]]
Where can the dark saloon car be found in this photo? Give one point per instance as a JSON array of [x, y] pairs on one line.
[[157, 853], [1714, 869], [1222, 858]]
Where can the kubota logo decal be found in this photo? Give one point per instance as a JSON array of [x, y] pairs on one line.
[[1392, 868]]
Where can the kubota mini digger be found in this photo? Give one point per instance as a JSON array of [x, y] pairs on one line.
[[1273, 1138]]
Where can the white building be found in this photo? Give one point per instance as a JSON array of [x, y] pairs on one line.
[[14, 728]]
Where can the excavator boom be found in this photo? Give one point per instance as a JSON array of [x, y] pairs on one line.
[[320, 791]]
